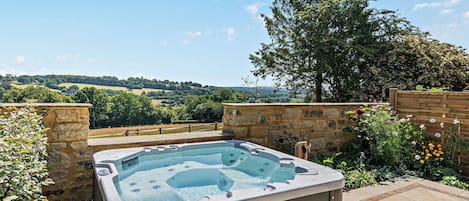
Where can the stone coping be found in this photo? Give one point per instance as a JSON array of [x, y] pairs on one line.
[[159, 139], [297, 104], [46, 105]]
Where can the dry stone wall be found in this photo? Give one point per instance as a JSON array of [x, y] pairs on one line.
[[70, 164], [280, 126]]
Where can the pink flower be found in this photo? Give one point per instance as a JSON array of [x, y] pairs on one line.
[[432, 120], [417, 157], [456, 121], [442, 124], [444, 116], [414, 142], [422, 126], [402, 120], [437, 135]]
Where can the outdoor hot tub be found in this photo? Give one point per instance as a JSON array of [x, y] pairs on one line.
[[220, 170]]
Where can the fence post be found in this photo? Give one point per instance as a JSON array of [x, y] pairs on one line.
[[216, 125], [160, 131], [189, 128], [393, 98]]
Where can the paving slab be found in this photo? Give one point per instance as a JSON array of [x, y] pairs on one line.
[[407, 188]]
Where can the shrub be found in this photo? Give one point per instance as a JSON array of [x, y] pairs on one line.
[[386, 139], [453, 181], [23, 164]]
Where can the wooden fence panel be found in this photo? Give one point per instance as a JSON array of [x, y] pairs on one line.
[[442, 106]]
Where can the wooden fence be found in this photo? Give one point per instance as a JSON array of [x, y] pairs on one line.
[[441, 106]]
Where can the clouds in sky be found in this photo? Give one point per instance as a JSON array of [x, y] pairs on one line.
[[20, 60], [466, 15], [446, 4], [253, 9], [230, 32]]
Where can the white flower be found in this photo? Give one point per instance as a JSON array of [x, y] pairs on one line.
[[417, 157], [422, 126], [442, 124], [437, 135], [395, 133], [409, 116], [414, 142], [456, 121], [402, 120], [432, 120]]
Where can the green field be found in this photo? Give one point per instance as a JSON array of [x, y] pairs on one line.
[[114, 88], [22, 86]]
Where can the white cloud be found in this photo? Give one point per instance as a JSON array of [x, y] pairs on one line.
[[466, 15], [253, 9], [446, 11], [186, 42], [446, 4], [195, 34], [20, 60], [230, 32], [61, 58], [164, 43]]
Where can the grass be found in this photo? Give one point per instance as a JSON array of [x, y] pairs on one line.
[[22, 86], [81, 85]]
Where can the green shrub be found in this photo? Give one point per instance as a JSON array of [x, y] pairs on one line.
[[453, 181], [386, 139], [23, 164]]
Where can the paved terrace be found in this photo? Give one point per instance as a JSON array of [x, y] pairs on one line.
[[407, 188]]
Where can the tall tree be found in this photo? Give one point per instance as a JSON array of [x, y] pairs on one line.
[[324, 44], [99, 99]]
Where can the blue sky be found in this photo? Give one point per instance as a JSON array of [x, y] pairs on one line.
[[207, 41]]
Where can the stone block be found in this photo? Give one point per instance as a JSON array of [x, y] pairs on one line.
[[79, 145], [67, 132], [259, 131], [311, 113], [85, 176], [292, 114], [308, 123], [57, 145], [331, 112], [59, 159], [320, 125], [69, 115], [279, 127], [274, 118], [85, 164], [332, 124], [59, 175], [318, 144], [244, 121], [239, 132]]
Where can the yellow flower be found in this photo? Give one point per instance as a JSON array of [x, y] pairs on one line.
[[431, 148], [422, 153], [440, 152], [423, 146], [426, 150], [437, 155], [429, 155], [438, 145], [430, 145], [439, 148], [441, 159], [422, 162], [426, 157]]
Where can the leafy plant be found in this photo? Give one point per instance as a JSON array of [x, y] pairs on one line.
[[454, 181], [385, 138], [23, 164]]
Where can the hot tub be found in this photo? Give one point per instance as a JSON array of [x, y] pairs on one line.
[[220, 170]]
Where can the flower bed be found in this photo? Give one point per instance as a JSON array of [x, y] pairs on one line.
[[388, 146]]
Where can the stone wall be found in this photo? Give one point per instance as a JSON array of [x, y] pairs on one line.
[[70, 164], [280, 126]]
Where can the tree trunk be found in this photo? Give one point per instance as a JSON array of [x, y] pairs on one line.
[[318, 87]]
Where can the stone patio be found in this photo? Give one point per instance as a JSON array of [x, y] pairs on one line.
[[407, 188]]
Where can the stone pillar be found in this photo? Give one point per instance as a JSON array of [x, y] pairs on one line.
[[70, 163]]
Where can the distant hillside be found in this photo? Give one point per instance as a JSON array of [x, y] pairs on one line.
[[165, 91]]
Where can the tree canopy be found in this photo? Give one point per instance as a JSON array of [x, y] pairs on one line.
[[335, 46]]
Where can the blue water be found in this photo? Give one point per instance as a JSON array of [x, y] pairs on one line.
[[192, 174]]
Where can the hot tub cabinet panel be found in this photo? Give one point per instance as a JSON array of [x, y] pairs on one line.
[[221, 170]]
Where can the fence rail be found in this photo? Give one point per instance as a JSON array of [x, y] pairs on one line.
[[164, 130]]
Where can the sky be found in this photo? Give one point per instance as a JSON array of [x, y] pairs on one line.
[[206, 41]]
